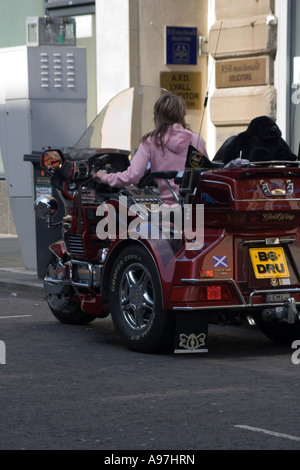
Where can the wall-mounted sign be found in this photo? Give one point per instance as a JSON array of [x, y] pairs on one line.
[[243, 72], [181, 45], [184, 84]]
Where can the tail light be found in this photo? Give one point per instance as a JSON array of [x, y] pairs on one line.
[[215, 293]]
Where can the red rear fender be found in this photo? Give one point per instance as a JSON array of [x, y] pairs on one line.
[[58, 248]]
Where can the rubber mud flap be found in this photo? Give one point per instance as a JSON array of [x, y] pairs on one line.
[[191, 332]]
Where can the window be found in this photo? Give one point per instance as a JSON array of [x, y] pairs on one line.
[[84, 26], [65, 8]]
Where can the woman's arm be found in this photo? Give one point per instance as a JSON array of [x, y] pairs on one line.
[[133, 173]]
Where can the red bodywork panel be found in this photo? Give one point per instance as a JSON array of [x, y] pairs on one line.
[[58, 248]]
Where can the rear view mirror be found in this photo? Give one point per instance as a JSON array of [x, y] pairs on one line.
[[52, 159]]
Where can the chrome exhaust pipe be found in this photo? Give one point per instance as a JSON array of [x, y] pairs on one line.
[[288, 313]]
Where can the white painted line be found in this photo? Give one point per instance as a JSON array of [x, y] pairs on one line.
[[271, 433], [16, 316]]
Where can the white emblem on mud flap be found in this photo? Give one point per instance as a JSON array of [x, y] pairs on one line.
[[192, 341]]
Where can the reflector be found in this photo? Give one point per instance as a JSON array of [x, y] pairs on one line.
[[214, 292]]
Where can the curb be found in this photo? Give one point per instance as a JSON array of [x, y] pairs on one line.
[[22, 288]]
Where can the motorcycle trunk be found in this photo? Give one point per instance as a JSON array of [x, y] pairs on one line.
[[257, 254]]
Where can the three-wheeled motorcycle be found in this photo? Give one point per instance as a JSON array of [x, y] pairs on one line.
[[229, 250]]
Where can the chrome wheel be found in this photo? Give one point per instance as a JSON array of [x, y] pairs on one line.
[[137, 296], [136, 303]]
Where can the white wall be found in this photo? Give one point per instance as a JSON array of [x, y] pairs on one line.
[[112, 45]]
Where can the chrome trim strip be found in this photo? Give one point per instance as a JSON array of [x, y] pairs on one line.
[[275, 291], [275, 198], [89, 266], [229, 307], [267, 241]]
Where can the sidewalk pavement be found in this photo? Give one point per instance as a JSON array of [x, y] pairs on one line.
[[14, 278]]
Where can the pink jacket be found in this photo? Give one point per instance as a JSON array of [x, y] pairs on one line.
[[176, 142]]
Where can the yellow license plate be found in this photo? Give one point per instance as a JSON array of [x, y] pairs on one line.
[[269, 263]]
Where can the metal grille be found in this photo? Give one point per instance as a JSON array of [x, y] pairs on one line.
[[75, 244]]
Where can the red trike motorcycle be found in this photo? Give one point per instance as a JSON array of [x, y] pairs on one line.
[[228, 251]]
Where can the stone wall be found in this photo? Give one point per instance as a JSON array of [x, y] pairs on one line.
[[153, 18], [243, 41], [7, 222]]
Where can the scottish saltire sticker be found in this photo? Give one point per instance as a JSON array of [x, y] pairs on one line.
[[220, 261]]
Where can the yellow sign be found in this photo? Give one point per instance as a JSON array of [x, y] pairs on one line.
[[184, 84], [243, 72], [269, 263]]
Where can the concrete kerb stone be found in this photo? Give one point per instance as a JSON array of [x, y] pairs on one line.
[[21, 288]]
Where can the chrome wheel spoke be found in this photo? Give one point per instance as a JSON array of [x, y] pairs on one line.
[[130, 279], [139, 317], [148, 302], [143, 281], [125, 302]]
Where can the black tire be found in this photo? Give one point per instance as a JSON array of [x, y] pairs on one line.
[[279, 332], [135, 301], [65, 308]]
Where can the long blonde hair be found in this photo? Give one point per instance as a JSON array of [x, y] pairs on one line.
[[169, 109]]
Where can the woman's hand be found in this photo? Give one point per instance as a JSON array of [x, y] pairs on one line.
[[99, 174]]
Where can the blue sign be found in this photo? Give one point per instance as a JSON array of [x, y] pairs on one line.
[[182, 45]]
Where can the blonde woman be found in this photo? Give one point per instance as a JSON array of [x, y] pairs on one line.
[[165, 148]]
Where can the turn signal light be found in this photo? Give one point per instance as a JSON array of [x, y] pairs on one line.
[[206, 273]]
